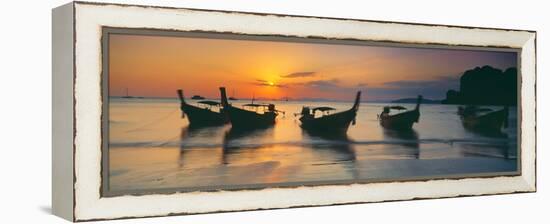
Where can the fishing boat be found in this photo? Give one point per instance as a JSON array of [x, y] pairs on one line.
[[401, 121], [326, 123], [483, 119], [202, 116], [127, 96], [233, 97], [246, 119], [197, 97]]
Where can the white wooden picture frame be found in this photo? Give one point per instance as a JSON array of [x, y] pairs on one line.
[[77, 110]]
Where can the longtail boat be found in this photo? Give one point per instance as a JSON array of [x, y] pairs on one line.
[[127, 96], [326, 123], [233, 97], [197, 97], [400, 121], [246, 119], [202, 116], [483, 119]]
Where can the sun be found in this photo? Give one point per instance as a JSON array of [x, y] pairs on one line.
[[271, 83]]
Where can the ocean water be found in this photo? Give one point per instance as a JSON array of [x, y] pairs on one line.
[[151, 147]]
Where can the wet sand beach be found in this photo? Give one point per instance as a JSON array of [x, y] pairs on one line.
[[152, 147]]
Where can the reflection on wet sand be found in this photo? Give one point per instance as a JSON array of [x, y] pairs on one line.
[[407, 138], [238, 156], [243, 136], [485, 133], [494, 151], [172, 154], [339, 145], [244, 158], [193, 158], [224, 164], [240, 141]]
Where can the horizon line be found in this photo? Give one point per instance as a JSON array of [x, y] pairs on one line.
[[277, 99]]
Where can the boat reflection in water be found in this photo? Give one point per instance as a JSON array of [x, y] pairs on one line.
[[340, 148], [244, 140], [409, 137], [246, 137], [406, 138], [193, 151], [151, 147]]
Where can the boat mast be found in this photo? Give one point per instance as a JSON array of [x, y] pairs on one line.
[[223, 97], [182, 102], [418, 102], [357, 101]]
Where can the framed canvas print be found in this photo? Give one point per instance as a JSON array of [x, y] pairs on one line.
[[168, 111]]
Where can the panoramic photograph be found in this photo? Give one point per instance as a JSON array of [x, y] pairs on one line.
[[215, 112]]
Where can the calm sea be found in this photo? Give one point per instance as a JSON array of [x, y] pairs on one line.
[[151, 148]]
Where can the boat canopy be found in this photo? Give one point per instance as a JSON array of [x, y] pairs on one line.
[[323, 109], [209, 102], [482, 109], [255, 105], [471, 110], [398, 108]]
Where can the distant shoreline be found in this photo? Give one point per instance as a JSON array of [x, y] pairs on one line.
[[276, 100]]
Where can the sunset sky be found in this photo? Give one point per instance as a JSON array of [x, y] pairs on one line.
[[155, 66]]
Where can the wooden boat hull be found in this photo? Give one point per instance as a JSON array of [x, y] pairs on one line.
[[203, 117], [331, 125], [402, 121], [245, 119], [199, 117], [335, 123], [490, 122]]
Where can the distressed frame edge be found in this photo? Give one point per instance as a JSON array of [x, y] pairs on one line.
[[301, 206], [530, 182], [62, 76], [296, 16], [529, 112]]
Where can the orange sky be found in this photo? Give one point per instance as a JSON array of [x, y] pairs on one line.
[[157, 66]]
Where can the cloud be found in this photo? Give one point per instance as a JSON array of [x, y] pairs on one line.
[[299, 75], [263, 82], [329, 85], [435, 83], [322, 84], [433, 89]]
